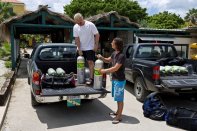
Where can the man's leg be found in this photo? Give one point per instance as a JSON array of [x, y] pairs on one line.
[[90, 55], [91, 67]]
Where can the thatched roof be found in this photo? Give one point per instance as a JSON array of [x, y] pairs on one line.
[[4, 26], [105, 18], [29, 13]]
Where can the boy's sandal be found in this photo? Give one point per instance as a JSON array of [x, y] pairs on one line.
[[116, 121], [112, 114]]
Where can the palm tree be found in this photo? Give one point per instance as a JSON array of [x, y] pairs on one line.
[[6, 11]]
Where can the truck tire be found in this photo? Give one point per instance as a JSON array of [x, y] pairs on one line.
[[140, 90], [33, 100]]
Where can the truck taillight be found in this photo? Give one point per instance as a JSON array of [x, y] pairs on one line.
[[36, 78], [156, 75], [37, 92]]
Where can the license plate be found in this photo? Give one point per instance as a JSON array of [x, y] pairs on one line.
[[73, 101], [73, 97]]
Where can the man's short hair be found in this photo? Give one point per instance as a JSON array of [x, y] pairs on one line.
[[78, 16]]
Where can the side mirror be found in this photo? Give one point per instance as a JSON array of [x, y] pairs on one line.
[[26, 55]]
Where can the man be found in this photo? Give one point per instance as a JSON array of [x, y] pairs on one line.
[[87, 38]]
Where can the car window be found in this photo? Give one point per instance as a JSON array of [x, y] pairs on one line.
[[57, 53], [155, 51]]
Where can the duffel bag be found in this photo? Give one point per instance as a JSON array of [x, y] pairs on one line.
[[183, 118], [153, 107], [58, 81]]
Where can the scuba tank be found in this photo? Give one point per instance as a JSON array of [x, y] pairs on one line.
[[80, 70], [98, 78]]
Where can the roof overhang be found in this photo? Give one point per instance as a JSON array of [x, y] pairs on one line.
[[157, 38]]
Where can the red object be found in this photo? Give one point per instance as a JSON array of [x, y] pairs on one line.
[[37, 92], [156, 75], [36, 78]]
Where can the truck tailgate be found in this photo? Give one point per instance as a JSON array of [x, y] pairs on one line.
[[79, 90], [179, 82]]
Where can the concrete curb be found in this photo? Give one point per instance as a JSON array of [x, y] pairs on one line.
[[10, 84], [3, 110]]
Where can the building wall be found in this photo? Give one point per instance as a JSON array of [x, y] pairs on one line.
[[18, 8], [179, 40], [193, 40], [194, 37], [127, 36]]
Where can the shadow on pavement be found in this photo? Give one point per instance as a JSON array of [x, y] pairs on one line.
[[22, 71], [58, 115]]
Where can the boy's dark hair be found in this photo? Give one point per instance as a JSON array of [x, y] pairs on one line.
[[118, 43]]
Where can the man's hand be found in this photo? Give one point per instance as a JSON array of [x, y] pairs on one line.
[[80, 52], [99, 56]]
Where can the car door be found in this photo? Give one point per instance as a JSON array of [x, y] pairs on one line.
[[128, 62]]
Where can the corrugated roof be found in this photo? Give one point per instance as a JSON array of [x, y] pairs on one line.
[[154, 29]]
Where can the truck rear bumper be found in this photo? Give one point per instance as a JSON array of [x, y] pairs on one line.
[[51, 99], [82, 92]]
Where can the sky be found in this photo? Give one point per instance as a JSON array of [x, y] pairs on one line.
[[179, 7]]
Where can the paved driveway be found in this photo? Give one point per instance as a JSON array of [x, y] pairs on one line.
[[91, 116]]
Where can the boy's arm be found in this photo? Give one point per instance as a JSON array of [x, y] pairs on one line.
[[106, 60], [112, 69]]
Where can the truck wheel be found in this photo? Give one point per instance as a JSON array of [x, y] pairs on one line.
[[33, 100], [140, 90]]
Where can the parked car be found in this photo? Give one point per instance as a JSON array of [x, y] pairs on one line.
[[151, 67], [46, 88]]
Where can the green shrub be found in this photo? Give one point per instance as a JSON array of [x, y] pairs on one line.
[[8, 64], [2, 53], [5, 50]]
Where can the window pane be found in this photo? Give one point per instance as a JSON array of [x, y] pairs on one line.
[[57, 53], [181, 50]]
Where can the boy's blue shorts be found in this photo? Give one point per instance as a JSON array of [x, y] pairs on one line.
[[118, 90]]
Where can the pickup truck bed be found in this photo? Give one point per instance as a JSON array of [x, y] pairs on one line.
[[143, 65], [47, 88], [179, 82]]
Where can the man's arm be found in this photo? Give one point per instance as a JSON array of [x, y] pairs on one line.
[[77, 41], [97, 36]]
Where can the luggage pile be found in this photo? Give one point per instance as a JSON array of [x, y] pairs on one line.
[[155, 109], [57, 78]]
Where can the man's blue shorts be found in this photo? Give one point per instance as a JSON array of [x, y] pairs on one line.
[[118, 90]]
